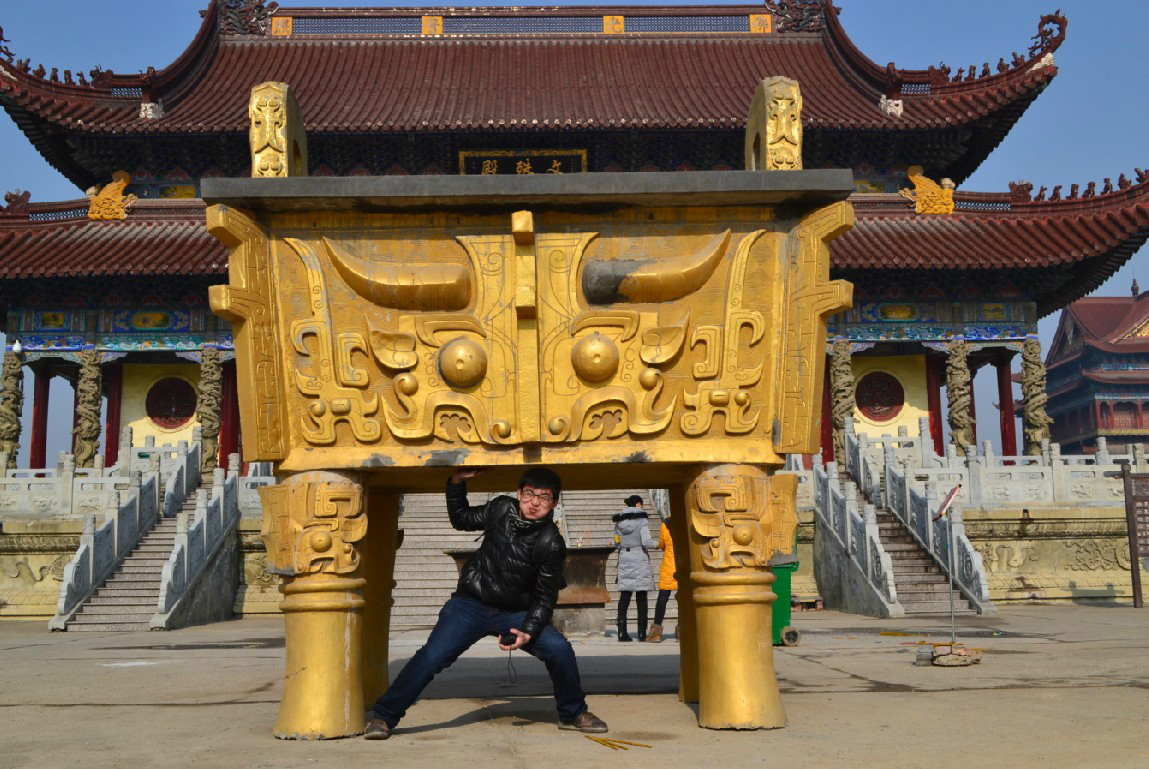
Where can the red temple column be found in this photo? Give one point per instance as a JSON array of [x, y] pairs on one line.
[[827, 420], [40, 388], [1005, 398], [934, 401], [114, 389], [229, 418]]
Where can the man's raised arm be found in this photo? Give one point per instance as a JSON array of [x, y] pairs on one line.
[[464, 517]]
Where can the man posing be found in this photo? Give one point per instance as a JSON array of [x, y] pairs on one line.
[[508, 589]]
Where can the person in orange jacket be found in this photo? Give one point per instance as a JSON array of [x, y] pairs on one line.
[[666, 582]]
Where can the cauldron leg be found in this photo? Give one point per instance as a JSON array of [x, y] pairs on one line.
[[687, 627], [312, 524], [729, 522], [379, 550]]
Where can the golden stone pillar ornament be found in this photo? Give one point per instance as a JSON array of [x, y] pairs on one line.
[[277, 138], [312, 524], [774, 128], [390, 330]]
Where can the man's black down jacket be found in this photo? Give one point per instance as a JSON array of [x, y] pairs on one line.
[[506, 572]]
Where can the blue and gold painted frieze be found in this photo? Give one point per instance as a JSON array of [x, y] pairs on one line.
[[58, 331], [152, 320], [933, 320]]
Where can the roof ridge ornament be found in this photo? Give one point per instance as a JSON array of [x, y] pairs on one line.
[[5, 51], [1020, 190], [16, 202], [798, 15], [891, 107], [1050, 35], [928, 196], [245, 17], [109, 202]]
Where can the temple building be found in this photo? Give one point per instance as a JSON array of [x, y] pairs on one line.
[[1099, 373], [110, 291]]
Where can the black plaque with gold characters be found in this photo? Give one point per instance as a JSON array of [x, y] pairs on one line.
[[493, 162]]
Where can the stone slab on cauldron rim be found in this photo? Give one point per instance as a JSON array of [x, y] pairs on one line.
[[585, 192]]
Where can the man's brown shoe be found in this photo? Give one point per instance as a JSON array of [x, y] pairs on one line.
[[585, 722], [376, 729]]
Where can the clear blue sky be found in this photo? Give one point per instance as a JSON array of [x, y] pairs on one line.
[[1089, 124]]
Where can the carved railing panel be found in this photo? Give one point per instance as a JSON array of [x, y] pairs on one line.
[[200, 536], [851, 535], [131, 506]]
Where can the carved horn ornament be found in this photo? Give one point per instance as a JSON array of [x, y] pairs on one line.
[[664, 280], [403, 286]]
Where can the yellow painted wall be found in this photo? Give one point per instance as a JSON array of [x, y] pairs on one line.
[[138, 379], [910, 371]]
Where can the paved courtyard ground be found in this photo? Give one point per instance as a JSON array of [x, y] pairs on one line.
[[1060, 686]]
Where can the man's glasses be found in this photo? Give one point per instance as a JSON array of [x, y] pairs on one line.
[[543, 496]]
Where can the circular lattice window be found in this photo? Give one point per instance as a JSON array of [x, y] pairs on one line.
[[880, 396], [171, 403]]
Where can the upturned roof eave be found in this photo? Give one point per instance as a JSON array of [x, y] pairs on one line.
[[172, 85]]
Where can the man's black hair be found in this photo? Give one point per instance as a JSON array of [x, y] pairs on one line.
[[632, 501], [542, 478]]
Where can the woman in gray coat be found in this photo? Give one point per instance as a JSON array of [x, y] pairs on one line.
[[632, 534]]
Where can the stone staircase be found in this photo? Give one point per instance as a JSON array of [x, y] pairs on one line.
[[922, 587], [425, 577], [127, 601]]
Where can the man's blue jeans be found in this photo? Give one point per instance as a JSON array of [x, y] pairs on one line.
[[462, 622]]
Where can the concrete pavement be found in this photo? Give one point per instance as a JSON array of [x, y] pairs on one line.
[[1060, 686]]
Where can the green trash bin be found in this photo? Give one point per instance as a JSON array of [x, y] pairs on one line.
[[784, 635]]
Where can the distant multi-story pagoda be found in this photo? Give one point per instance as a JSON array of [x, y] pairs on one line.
[[1099, 373], [112, 289]]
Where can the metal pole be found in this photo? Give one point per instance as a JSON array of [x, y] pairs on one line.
[[953, 618], [1131, 522], [952, 581]]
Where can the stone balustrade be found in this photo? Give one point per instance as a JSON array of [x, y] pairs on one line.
[[888, 470], [103, 544], [991, 481], [198, 537], [854, 571], [916, 506], [1045, 526], [118, 506]]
